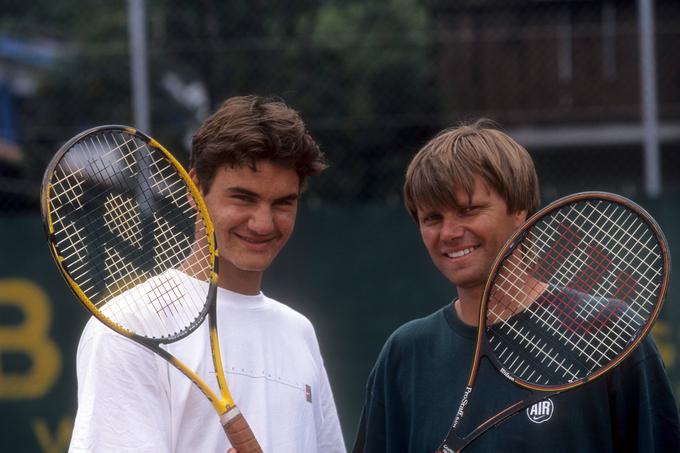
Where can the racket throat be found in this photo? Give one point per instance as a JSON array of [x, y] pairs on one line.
[[453, 443], [461, 407]]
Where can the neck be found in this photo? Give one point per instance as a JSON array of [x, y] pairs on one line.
[[467, 304], [518, 299], [239, 281]]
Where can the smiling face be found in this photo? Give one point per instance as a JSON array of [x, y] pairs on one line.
[[253, 212], [463, 239]]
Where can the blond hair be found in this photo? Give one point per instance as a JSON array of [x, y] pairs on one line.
[[450, 161]]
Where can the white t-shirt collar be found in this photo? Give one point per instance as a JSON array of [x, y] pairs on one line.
[[230, 298]]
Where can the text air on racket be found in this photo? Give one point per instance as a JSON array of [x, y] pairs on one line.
[[570, 296], [131, 235]]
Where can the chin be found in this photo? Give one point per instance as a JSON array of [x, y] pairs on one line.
[[462, 281], [246, 265], [469, 284], [253, 267]]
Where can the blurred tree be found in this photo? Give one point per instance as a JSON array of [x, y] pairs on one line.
[[356, 69], [370, 89], [83, 86]]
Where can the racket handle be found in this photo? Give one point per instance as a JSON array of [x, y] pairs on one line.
[[238, 431]]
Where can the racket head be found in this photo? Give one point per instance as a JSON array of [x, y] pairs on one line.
[[130, 233], [573, 291]]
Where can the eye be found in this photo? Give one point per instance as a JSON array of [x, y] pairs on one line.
[[469, 210], [430, 218], [286, 202], [245, 198]]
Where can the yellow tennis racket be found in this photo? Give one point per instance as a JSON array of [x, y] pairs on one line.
[[131, 235]]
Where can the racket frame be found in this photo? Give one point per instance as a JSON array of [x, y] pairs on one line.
[[224, 403], [454, 443]]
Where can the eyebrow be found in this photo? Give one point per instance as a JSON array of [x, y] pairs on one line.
[[250, 193]]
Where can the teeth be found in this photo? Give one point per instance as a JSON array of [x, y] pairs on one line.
[[460, 253]]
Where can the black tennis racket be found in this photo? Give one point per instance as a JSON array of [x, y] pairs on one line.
[[569, 297], [131, 235]]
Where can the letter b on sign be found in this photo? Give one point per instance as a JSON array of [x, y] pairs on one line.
[[26, 340]]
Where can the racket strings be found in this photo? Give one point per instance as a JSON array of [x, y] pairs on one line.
[[564, 276], [124, 223], [630, 236], [603, 266], [529, 369], [583, 344], [548, 319], [588, 272], [538, 346], [120, 218], [166, 241], [588, 266]]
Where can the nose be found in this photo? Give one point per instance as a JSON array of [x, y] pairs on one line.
[[261, 220], [452, 228]]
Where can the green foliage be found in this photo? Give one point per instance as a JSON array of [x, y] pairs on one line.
[[357, 70]]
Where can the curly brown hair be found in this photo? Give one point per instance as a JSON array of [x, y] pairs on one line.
[[248, 129]]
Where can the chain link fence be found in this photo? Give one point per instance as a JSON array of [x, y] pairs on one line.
[[373, 80]]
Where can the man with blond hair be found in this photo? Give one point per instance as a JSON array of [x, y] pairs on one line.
[[468, 189]]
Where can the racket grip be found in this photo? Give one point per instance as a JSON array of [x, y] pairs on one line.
[[238, 431]]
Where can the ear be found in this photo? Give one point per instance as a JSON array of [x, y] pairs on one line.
[[520, 217], [194, 178]]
